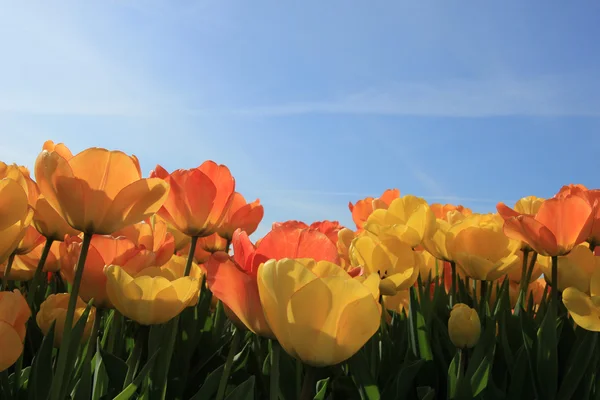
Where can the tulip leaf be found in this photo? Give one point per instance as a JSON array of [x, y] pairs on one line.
[[453, 376], [322, 386], [577, 365], [41, 368], [83, 388], [133, 386], [244, 391], [480, 363], [73, 350], [211, 385], [116, 370], [528, 334], [418, 330], [367, 385], [402, 385], [547, 356], [519, 374], [425, 393]]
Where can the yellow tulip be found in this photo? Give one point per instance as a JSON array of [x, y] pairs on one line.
[[318, 313], [585, 309], [408, 218], [396, 263], [175, 269], [147, 299], [15, 216], [464, 326], [49, 223], [20, 175], [54, 308], [574, 270], [345, 238], [436, 243], [98, 191], [480, 247], [14, 313]]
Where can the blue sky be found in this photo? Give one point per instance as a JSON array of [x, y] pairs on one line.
[[313, 104]]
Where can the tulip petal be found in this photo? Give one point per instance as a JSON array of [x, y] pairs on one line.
[[584, 310], [527, 229], [330, 319], [11, 344], [243, 251], [505, 211]]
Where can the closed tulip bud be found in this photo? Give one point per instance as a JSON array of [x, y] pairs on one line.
[[54, 308], [408, 218], [464, 326], [14, 313], [318, 313], [149, 300]]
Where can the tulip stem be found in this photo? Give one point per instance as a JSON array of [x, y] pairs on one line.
[[9, 264], [190, 259], [274, 383], [453, 289], [309, 383], [38, 273], [235, 342], [523, 288], [555, 282], [59, 377]]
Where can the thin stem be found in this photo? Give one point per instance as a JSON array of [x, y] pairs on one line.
[[38, 273], [461, 366], [190, 259], [299, 368], [483, 296], [523, 286], [9, 264], [453, 290], [308, 387], [235, 342], [91, 349], [555, 282], [274, 386], [59, 377]]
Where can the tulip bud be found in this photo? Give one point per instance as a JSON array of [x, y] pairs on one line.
[[54, 308], [464, 326]]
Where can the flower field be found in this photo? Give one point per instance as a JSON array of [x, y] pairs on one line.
[[119, 286]]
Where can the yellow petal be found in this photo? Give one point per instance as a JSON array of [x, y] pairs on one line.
[[584, 310]]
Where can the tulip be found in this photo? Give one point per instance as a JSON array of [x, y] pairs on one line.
[[574, 270], [464, 326], [24, 266], [529, 205], [330, 228], [398, 302], [430, 267], [437, 242], [345, 238], [98, 191], [49, 223], [153, 237], [54, 308], [233, 279], [572, 189], [15, 217], [14, 313], [363, 208], [481, 249], [147, 299], [181, 239], [396, 263], [441, 210], [240, 214], [408, 218], [199, 198], [559, 225], [103, 251], [21, 175], [318, 313], [584, 308], [205, 247]]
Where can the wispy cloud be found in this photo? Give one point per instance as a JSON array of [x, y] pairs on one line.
[[543, 97]]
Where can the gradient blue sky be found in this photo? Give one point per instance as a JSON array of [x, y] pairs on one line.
[[316, 103]]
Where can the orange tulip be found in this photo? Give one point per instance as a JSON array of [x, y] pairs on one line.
[[572, 189], [594, 199], [199, 198], [98, 191], [21, 175], [330, 228], [24, 266], [363, 208], [14, 313], [233, 279], [441, 210], [104, 251], [559, 225], [205, 247], [154, 237], [245, 216], [15, 217]]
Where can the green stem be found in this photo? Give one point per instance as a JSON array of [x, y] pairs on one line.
[[308, 387], [483, 297], [555, 283], [235, 342], [133, 362], [219, 321], [523, 287], [38, 273], [9, 264], [461, 366], [190, 259], [453, 290], [59, 377], [91, 349], [299, 368], [274, 387]]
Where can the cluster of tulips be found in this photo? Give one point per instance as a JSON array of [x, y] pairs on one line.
[[115, 286]]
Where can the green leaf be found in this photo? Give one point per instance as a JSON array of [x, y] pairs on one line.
[[133, 386], [73, 350], [83, 389], [425, 393], [528, 334], [418, 330], [402, 385], [245, 391], [480, 363], [577, 365], [41, 368], [519, 374], [547, 356], [453, 376], [321, 389], [362, 377], [211, 385], [116, 370]]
